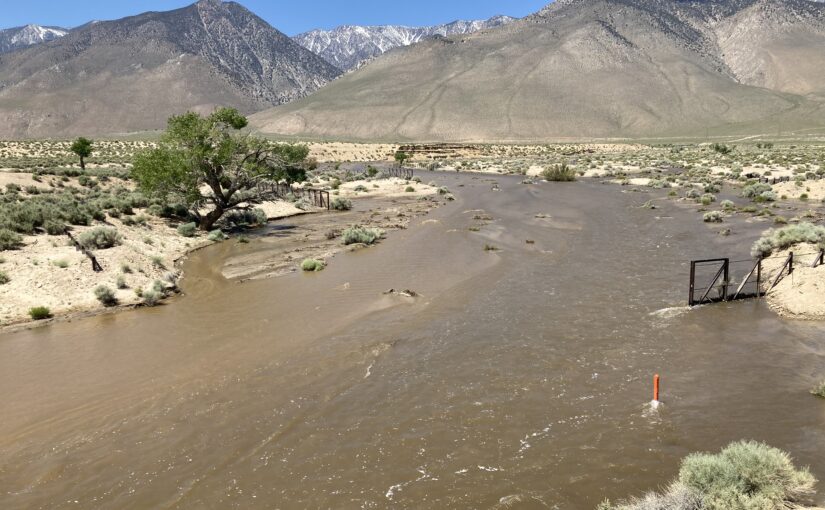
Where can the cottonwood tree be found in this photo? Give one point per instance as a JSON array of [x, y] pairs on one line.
[[401, 157], [211, 166], [83, 148]]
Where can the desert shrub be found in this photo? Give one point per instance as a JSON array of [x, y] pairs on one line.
[[216, 235], [341, 204], [121, 282], [766, 196], [245, 217], [362, 235], [9, 240], [746, 475], [312, 265], [444, 191], [707, 199], [302, 204], [819, 390], [785, 237], [100, 238], [559, 173], [721, 148], [727, 205], [188, 229], [40, 313], [54, 227], [409, 189], [151, 297], [360, 188], [105, 295], [4, 278], [752, 191], [693, 194], [713, 217], [676, 497]]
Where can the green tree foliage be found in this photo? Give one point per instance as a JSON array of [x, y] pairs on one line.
[[401, 157], [211, 166], [83, 148]]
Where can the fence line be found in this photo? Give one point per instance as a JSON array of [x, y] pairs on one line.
[[318, 198], [96, 267]]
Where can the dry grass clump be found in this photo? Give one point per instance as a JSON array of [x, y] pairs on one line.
[[780, 239], [746, 475]]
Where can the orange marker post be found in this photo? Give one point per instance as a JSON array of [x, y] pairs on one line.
[[656, 388]]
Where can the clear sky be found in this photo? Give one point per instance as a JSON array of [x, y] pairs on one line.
[[289, 16]]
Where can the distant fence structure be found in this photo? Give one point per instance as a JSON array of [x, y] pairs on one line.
[[96, 267], [724, 285], [317, 197], [400, 172]]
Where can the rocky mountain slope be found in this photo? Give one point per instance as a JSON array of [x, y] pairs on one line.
[[20, 37], [348, 47], [588, 68], [132, 74]]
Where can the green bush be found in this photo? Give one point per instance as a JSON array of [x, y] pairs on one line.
[[40, 313], [151, 297], [362, 235], [4, 278], [409, 189], [105, 295], [312, 265], [216, 235], [559, 173], [745, 476], [9, 240], [713, 217], [727, 205], [121, 282], [244, 217], [100, 238], [753, 191], [341, 204], [780, 239], [188, 229]]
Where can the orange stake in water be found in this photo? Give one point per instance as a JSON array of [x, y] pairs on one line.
[[656, 388]]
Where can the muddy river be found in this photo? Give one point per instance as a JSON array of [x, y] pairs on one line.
[[519, 377]]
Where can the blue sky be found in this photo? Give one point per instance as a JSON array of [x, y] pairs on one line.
[[289, 16]]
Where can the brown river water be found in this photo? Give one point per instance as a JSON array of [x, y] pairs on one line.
[[519, 378]]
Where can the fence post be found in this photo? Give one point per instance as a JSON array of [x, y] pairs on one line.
[[725, 280], [790, 264], [759, 279], [692, 282]]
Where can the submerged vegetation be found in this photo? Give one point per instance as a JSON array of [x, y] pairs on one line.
[[361, 235], [312, 265], [559, 173], [744, 476]]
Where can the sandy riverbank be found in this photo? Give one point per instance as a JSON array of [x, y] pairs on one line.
[[47, 271], [800, 295]]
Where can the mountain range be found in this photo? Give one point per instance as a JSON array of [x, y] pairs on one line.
[[587, 68], [132, 74], [19, 37], [349, 46], [574, 69]]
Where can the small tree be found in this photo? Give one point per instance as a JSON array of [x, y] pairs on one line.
[[401, 157], [211, 166], [83, 148]]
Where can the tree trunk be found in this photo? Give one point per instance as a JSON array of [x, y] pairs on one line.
[[208, 221], [82, 163]]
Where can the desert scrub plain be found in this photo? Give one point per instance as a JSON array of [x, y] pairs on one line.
[[137, 240]]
